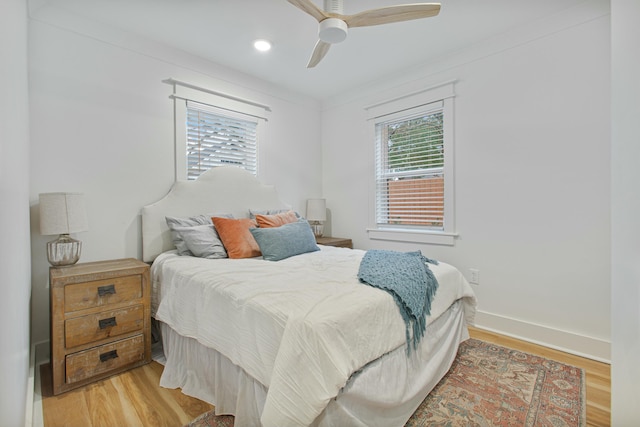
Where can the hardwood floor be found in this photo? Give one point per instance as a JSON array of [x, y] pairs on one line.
[[134, 398], [130, 399]]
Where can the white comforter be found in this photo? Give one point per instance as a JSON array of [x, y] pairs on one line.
[[301, 326]]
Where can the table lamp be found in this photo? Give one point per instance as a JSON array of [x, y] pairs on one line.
[[317, 215], [63, 214]]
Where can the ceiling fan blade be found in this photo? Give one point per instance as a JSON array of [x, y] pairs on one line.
[[386, 15], [319, 52], [310, 8]]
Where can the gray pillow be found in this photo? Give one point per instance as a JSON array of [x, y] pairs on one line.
[[202, 241], [285, 241], [174, 222]]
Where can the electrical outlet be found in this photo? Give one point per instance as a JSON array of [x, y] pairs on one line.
[[474, 276]]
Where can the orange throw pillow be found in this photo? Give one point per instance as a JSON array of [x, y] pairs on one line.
[[270, 221], [236, 237]]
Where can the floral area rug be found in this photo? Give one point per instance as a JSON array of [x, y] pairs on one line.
[[490, 385]]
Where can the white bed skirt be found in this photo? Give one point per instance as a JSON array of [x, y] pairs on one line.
[[385, 393]]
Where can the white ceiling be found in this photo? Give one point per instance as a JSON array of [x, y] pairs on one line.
[[223, 31]]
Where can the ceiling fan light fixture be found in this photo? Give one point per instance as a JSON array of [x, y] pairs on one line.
[[262, 45], [332, 30], [333, 24]]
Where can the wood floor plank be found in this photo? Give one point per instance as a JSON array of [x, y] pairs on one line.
[[149, 401], [129, 409], [103, 409], [66, 412], [190, 406], [171, 399]]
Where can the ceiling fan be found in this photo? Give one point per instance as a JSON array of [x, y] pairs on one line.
[[333, 25]]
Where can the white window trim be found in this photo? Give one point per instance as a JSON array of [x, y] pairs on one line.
[[443, 92], [183, 92]]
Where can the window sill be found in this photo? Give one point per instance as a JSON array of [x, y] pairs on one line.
[[413, 236]]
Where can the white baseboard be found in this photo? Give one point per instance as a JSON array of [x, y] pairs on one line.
[[39, 355], [580, 345], [28, 415]]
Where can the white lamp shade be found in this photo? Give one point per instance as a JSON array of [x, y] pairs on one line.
[[62, 213], [317, 210]]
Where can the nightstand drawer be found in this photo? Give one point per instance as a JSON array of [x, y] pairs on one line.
[[94, 327], [81, 296], [108, 357]]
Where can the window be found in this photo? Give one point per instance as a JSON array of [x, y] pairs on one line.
[[410, 173], [217, 138], [215, 129], [413, 196]]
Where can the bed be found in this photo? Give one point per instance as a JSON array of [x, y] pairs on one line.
[[296, 341]]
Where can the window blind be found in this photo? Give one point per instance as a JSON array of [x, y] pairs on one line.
[[410, 170], [219, 137]]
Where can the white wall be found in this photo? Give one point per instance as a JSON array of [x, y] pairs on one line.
[[102, 124], [14, 214], [532, 181], [625, 213]]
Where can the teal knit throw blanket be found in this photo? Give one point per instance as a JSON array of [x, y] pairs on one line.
[[407, 277]]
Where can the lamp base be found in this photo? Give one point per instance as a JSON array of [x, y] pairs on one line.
[[317, 227], [63, 251]]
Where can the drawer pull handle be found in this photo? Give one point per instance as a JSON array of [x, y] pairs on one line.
[[107, 323], [109, 355], [106, 290]]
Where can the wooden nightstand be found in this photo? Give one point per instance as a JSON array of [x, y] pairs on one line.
[[100, 320], [335, 241]]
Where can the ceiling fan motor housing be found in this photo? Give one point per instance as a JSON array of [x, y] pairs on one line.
[[332, 30]]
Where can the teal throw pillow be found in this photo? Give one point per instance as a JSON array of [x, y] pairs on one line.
[[285, 241]]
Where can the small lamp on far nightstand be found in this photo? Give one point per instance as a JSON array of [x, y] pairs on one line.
[[317, 215], [63, 214]]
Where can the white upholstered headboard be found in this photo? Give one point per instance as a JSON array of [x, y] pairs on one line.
[[221, 190]]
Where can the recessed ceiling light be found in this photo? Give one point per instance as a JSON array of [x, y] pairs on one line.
[[262, 45]]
